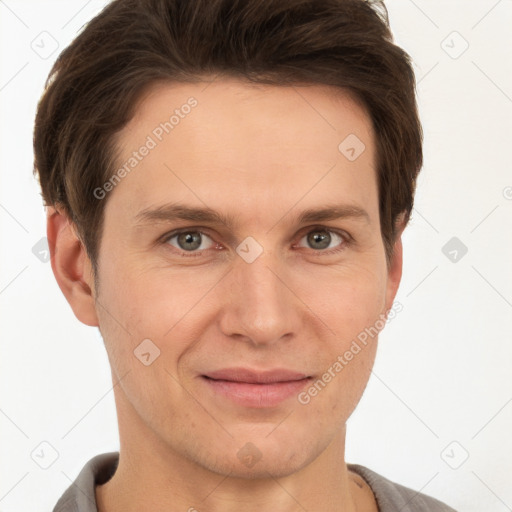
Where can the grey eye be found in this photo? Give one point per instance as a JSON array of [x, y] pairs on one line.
[[321, 239], [189, 241]]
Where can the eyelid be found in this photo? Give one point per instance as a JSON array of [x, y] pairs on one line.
[[319, 227]]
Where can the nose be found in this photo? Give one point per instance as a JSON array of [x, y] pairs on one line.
[[260, 306]]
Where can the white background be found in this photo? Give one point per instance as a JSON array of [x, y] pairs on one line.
[[444, 369]]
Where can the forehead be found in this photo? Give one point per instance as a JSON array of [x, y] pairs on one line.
[[232, 144]]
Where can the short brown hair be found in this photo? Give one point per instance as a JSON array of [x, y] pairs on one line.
[[93, 88]]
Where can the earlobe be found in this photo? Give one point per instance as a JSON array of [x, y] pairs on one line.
[[71, 266]]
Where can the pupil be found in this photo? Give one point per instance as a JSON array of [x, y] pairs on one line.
[[191, 237], [324, 239]]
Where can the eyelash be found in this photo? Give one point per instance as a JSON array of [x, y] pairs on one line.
[[347, 241]]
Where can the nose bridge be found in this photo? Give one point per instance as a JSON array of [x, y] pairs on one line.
[[260, 305]]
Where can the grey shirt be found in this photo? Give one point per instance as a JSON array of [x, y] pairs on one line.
[[391, 497]]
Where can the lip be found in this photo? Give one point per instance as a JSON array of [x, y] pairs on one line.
[[255, 389]]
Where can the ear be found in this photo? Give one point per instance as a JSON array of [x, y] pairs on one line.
[[71, 265], [395, 264]]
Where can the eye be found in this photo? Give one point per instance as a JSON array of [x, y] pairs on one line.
[[320, 239], [192, 242], [189, 241]]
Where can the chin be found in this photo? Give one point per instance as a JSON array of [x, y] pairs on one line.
[[263, 469], [260, 458]]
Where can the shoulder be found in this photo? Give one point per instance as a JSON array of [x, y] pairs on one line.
[[80, 496], [391, 496]]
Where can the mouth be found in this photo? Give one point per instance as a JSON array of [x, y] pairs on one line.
[[255, 389]]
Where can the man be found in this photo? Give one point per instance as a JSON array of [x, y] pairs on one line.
[[227, 184]]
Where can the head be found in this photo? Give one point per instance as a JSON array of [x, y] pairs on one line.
[[234, 123]]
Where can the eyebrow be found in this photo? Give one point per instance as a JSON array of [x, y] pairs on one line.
[[176, 211]]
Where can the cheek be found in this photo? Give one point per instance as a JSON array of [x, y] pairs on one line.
[[157, 304], [343, 392], [351, 305], [347, 299]]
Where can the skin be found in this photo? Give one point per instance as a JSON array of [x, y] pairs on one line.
[[262, 154]]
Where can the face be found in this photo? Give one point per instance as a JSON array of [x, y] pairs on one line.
[[240, 261]]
